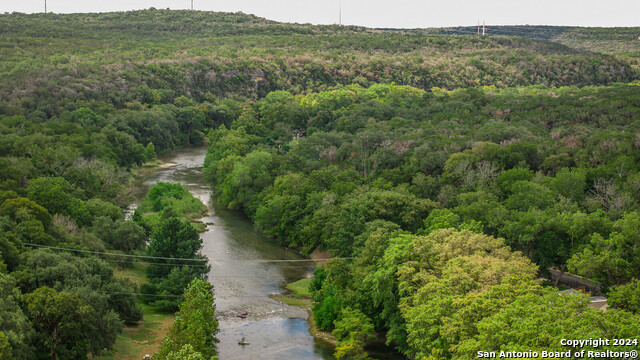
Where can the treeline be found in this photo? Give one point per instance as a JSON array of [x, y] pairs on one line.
[[162, 55], [360, 171], [621, 41], [89, 146]]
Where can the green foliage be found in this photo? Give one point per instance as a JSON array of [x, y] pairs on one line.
[[119, 235], [445, 218], [9, 253], [326, 309], [52, 193], [326, 136], [97, 207], [60, 320], [185, 353], [17, 330], [193, 333], [350, 349], [169, 200], [21, 209], [539, 321], [90, 279], [625, 297], [449, 267], [353, 324], [322, 187], [5, 347], [246, 179], [173, 239], [610, 40], [150, 152], [612, 260]]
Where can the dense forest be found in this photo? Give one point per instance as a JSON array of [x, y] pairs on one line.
[[619, 41], [155, 56], [447, 172], [447, 201]]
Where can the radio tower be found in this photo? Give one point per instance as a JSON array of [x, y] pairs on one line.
[[45, 6], [340, 14], [191, 5]]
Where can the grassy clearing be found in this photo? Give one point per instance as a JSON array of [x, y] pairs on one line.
[[144, 337], [292, 300], [300, 295], [199, 225], [152, 164], [300, 287], [136, 274]]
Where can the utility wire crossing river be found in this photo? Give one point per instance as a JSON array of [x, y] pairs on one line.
[[245, 269]]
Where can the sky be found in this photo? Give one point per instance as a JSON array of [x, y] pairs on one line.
[[379, 13]]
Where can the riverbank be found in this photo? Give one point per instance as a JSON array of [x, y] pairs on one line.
[[242, 272], [301, 296]]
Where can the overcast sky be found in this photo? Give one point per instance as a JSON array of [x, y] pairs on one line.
[[378, 13]]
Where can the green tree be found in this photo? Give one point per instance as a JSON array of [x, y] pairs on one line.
[[174, 239], [537, 322], [5, 347], [187, 352], [350, 349], [611, 260], [60, 320], [128, 236], [448, 267], [195, 324], [150, 152], [352, 329], [9, 246], [247, 179], [20, 209], [527, 194], [90, 279], [626, 297], [15, 327], [51, 192]]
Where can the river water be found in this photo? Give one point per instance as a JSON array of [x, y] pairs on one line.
[[244, 276]]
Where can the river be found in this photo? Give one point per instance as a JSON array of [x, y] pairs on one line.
[[243, 276]]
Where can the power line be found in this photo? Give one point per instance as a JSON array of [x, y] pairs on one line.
[[181, 259], [155, 263], [302, 266], [277, 261], [112, 254], [140, 294], [172, 295]]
